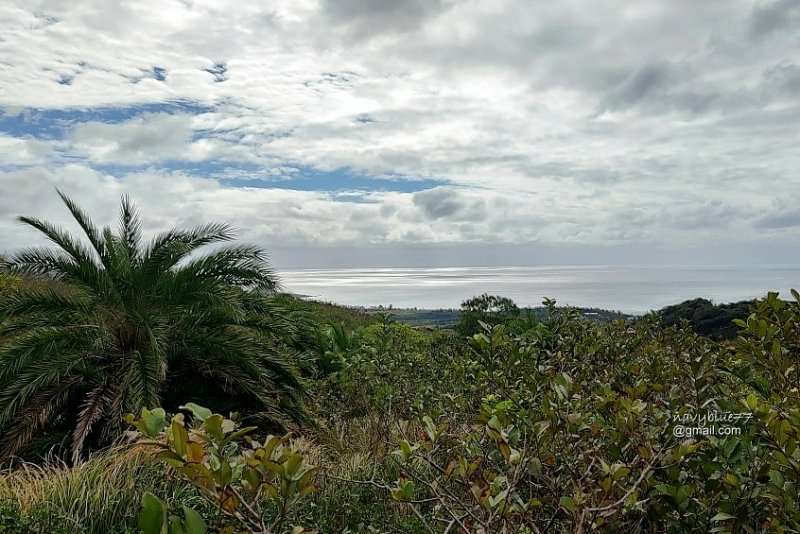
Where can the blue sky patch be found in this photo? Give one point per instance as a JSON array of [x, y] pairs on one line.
[[159, 74], [219, 71], [308, 179], [54, 123]]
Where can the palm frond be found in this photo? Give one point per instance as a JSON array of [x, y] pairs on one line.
[[244, 266], [169, 248], [130, 229], [78, 252], [92, 232], [39, 411], [92, 410]]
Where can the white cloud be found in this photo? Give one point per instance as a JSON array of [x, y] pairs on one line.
[[25, 150], [646, 122]]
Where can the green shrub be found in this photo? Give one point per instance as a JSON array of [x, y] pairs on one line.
[[569, 426], [244, 479]]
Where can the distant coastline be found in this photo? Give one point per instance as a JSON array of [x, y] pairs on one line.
[[632, 290]]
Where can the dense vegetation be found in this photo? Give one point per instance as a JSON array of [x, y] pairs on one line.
[[706, 318], [115, 325], [463, 319], [529, 424]]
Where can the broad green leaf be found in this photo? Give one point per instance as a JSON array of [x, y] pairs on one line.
[[154, 421], [198, 411], [568, 504], [194, 521], [153, 515]]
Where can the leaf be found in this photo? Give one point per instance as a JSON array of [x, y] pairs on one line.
[[198, 411], [405, 448], [404, 491], [171, 458], [230, 504], [224, 474], [213, 425], [722, 516], [430, 428], [194, 521], [568, 504], [154, 421], [153, 515], [180, 438], [239, 433], [175, 525], [195, 452], [494, 424], [292, 464], [505, 450], [730, 447]]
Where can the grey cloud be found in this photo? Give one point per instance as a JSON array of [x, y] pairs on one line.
[[659, 87], [780, 81], [769, 17], [387, 211], [368, 18], [784, 218], [644, 81], [448, 203], [438, 202], [709, 215]]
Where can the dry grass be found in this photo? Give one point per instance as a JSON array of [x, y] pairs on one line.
[[102, 494]]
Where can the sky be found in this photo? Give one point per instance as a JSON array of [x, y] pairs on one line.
[[352, 133]]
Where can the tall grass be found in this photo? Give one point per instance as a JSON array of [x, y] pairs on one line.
[[352, 497], [101, 495]]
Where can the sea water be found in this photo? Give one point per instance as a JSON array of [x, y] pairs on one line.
[[629, 289]]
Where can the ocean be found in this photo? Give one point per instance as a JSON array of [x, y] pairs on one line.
[[627, 289]]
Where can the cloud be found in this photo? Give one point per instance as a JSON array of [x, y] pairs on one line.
[[508, 121], [370, 18], [449, 203], [781, 81], [25, 150], [638, 85], [144, 139], [774, 16], [782, 214], [786, 219]]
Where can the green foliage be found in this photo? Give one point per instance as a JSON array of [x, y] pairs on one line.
[[706, 318], [115, 325], [334, 341], [9, 283], [569, 426], [241, 477], [98, 496], [543, 423], [154, 518], [486, 309]]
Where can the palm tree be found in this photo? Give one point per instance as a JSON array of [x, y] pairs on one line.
[[117, 325]]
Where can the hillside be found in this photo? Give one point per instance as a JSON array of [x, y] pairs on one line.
[[706, 318], [449, 317]]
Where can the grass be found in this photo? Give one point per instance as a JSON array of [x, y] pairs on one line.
[[101, 495]]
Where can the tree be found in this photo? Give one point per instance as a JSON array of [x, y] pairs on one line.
[[489, 309], [117, 325]]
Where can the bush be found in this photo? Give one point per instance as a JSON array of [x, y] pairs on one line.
[[569, 425]]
